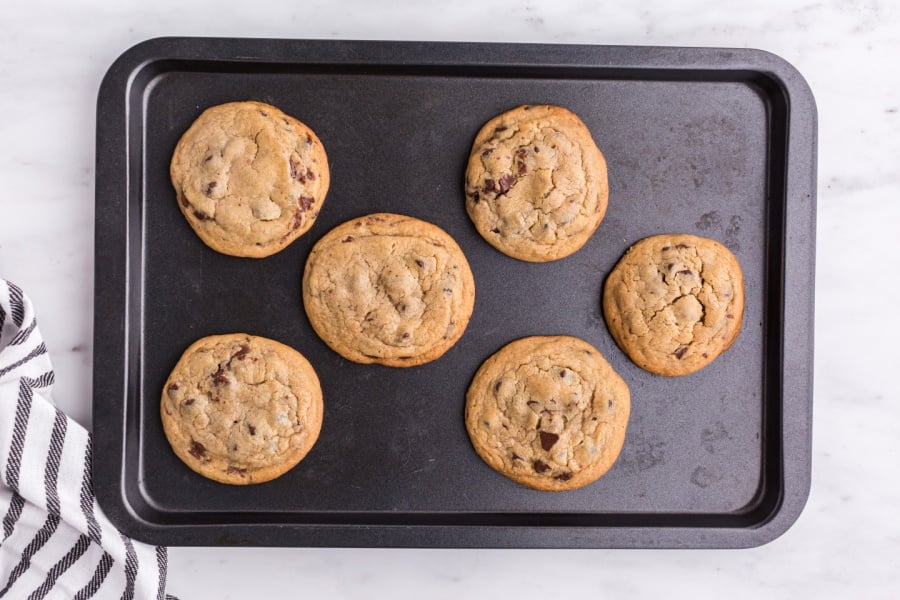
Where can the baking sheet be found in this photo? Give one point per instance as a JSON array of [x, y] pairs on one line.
[[719, 143]]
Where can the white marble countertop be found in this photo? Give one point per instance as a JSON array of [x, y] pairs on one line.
[[847, 541]]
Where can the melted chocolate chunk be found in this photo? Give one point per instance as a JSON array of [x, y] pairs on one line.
[[679, 353], [197, 450], [516, 456], [303, 203], [540, 466], [349, 238], [563, 373], [210, 187], [564, 476], [548, 440], [506, 182], [495, 230], [536, 149], [521, 152], [501, 129], [521, 169], [685, 272], [240, 354], [310, 175], [189, 401], [421, 263], [219, 377], [487, 153], [489, 185], [171, 390], [202, 215], [237, 471], [251, 429], [295, 173], [476, 196]]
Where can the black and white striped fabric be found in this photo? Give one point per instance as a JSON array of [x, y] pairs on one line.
[[56, 542]]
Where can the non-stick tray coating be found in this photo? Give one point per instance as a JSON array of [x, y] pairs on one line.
[[719, 143]]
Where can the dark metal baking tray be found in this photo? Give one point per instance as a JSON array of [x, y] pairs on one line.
[[721, 143]]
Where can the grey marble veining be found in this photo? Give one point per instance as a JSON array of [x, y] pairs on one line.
[[847, 541]]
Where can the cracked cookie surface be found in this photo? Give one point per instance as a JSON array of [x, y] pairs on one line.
[[548, 412], [675, 302], [249, 178], [536, 184], [241, 409], [388, 289]]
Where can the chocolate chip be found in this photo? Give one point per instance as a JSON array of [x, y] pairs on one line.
[[210, 187], [729, 316], [251, 429], [421, 263], [564, 476], [536, 149], [219, 377], [303, 203], [183, 200], [489, 185], [237, 471], [705, 355], [679, 353], [495, 230], [234, 448], [533, 403], [240, 354], [349, 238], [685, 272], [295, 173], [208, 158], [501, 129], [197, 450], [403, 307], [506, 183], [202, 215], [521, 152], [171, 390], [189, 401], [609, 404], [476, 196], [666, 248], [516, 456], [522, 169], [487, 153], [669, 266], [310, 175], [563, 373], [548, 439], [405, 335], [540, 466]]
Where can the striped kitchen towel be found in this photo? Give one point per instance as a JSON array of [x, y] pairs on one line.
[[56, 541]]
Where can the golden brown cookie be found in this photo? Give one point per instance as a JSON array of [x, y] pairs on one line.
[[249, 178], [536, 185], [241, 409], [674, 302], [548, 412], [388, 289]]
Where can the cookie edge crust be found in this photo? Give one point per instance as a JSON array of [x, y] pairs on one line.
[[383, 224], [614, 322], [598, 180], [489, 370], [238, 250], [262, 475]]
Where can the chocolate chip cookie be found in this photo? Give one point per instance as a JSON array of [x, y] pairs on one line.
[[675, 302], [548, 412], [536, 185], [388, 289], [249, 178], [241, 409]]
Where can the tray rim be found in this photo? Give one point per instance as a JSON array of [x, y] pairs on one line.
[[114, 274]]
